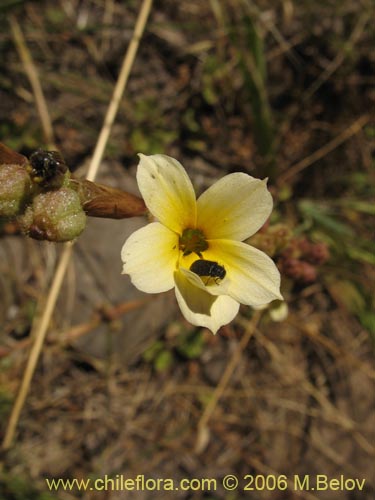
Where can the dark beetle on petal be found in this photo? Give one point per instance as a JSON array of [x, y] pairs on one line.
[[208, 268]]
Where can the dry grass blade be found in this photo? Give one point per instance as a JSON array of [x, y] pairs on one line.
[[220, 388], [119, 89], [32, 74], [66, 337], [354, 128], [39, 331], [42, 326], [285, 45], [339, 59]]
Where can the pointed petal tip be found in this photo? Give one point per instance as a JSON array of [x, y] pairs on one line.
[[214, 331]]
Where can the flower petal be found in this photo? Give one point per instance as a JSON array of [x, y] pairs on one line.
[[234, 208], [201, 308], [167, 191], [253, 277], [280, 312], [150, 257]]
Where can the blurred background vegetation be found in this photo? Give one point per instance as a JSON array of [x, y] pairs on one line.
[[279, 89]]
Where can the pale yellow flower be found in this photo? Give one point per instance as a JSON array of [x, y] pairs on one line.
[[158, 256]]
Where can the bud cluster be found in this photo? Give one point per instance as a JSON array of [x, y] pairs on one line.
[[36, 193], [300, 259], [47, 203], [297, 258]]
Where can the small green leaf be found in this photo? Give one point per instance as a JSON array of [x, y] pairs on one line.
[[361, 255], [191, 346], [163, 361], [367, 319], [348, 294], [152, 351], [322, 216]]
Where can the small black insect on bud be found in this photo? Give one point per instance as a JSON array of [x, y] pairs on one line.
[[209, 269], [47, 168]]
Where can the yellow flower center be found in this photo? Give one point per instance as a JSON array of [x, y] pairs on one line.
[[193, 240]]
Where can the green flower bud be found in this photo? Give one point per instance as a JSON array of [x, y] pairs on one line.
[[15, 190], [54, 216]]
